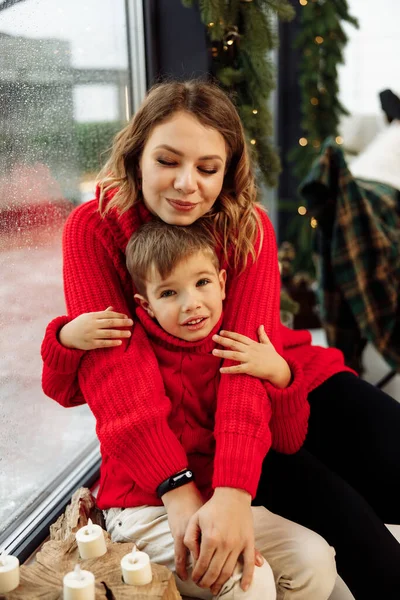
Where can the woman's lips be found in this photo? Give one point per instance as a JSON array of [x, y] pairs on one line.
[[180, 205]]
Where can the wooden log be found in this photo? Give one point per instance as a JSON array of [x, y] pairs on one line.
[[81, 508], [41, 583], [42, 580]]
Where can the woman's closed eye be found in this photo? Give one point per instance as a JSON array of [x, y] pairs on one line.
[[166, 163], [170, 163], [207, 171]]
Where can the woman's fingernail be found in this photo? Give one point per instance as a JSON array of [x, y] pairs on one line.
[[245, 587]]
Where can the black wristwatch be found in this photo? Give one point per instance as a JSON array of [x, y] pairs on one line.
[[174, 482]]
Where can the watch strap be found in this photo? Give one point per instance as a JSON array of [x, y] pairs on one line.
[[174, 482]]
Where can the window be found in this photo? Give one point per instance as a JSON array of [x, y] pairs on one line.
[[63, 95], [371, 55]]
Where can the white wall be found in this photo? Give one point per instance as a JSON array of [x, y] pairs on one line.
[[371, 56]]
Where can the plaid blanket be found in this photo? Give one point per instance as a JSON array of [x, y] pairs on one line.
[[358, 245]]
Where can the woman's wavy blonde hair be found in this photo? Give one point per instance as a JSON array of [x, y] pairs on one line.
[[233, 219]]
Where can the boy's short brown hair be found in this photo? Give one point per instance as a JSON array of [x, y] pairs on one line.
[[162, 246]]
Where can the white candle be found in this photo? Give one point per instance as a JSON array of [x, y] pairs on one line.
[[91, 541], [136, 568], [79, 585], [9, 573]]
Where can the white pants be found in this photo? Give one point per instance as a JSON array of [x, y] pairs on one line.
[[299, 564]]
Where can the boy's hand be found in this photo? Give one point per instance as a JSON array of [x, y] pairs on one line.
[[259, 359], [95, 330]]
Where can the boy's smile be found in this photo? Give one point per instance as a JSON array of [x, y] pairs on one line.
[[187, 303]]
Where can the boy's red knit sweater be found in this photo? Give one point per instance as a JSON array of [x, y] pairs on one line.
[[123, 385], [191, 375]]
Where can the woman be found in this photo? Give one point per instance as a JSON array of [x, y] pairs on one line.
[[156, 169]]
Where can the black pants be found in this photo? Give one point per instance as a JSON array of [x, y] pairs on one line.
[[345, 482]]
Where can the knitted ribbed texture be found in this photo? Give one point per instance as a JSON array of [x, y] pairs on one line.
[[56, 357], [60, 377], [123, 385]]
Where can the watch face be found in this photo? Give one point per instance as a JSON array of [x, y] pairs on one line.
[[188, 474]]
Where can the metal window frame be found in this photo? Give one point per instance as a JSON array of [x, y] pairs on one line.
[[136, 53], [24, 535]]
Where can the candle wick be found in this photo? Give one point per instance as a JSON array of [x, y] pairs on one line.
[[134, 549]]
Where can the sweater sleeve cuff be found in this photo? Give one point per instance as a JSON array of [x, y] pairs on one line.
[[153, 456], [238, 461], [55, 356], [291, 399]]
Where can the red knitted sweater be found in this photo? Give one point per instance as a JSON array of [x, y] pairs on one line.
[[123, 385]]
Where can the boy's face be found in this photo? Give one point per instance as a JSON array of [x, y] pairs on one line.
[[188, 303]]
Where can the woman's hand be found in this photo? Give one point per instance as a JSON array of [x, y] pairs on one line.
[[181, 505], [259, 359], [95, 330], [218, 534]]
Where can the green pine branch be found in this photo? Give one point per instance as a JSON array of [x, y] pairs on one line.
[[242, 36], [321, 43]]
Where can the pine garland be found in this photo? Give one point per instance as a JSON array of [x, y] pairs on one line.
[[321, 42], [242, 34]]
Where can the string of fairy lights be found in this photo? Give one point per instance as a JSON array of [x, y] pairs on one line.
[[316, 48], [230, 37]]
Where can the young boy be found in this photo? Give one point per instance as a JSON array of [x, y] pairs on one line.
[[180, 292]]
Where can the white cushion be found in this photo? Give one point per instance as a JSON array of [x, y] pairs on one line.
[[358, 131], [380, 161]]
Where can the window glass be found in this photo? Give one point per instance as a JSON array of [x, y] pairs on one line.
[[63, 96], [371, 55]]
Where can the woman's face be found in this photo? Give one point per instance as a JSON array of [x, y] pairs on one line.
[[182, 169]]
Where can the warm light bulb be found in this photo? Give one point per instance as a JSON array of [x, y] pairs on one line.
[[339, 139], [253, 142], [229, 42], [211, 24], [319, 39], [313, 222], [255, 111], [302, 210], [303, 2], [303, 141], [314, 101]]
